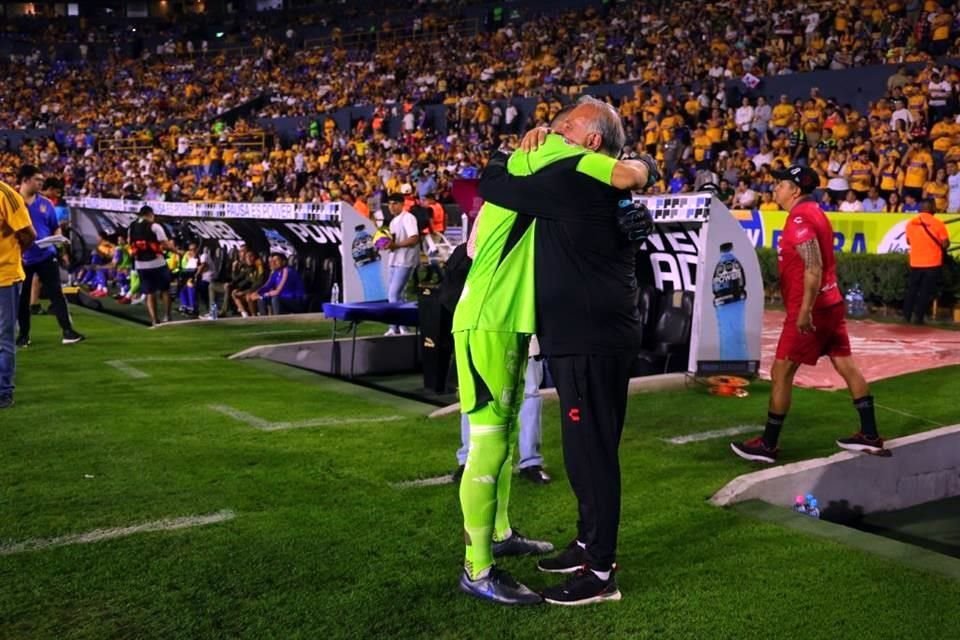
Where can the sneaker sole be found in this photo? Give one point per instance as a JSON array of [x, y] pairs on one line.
[[605, 597], [71, 340], [866, 448], [563, 570], [752, 457]]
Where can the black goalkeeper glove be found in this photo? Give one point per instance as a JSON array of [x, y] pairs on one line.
[[634, 220], [653, 174]]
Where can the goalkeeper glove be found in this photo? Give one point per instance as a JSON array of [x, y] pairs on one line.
[[634, 220]]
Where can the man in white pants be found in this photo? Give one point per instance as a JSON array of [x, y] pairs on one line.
[[531, 461], [404, 250]]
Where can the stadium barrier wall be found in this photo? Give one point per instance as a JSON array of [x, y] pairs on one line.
[[852, 232]]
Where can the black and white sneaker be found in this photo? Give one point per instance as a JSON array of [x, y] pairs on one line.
[[23, 342], [498, 586], [72, 337], [535, 474], [861, 442], [756, 450], [567, 561], [519, 545], [583, 587]]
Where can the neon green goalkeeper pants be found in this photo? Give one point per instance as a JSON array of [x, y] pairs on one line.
[[490, 369]]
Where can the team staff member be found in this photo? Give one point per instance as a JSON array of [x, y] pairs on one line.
[[16, 234], [148, 241], [587, 324], [815, 325], [928, 239], [42, 261]]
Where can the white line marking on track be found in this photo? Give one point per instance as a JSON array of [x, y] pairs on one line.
[[710, 435], [908, 415], [423, 482], [265, 425], [125, 367], [98, 535]]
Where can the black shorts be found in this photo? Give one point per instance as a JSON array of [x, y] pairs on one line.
[[155, 280]]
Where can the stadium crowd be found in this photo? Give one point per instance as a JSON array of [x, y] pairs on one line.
[[148, 128]]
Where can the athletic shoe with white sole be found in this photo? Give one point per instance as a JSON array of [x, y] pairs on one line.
[[861, 442], [567, 561], [72, 337], [498, 586], [756, 450], [583, 587]]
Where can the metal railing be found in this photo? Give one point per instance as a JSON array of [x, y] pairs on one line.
[[328, 211], [251, 141]]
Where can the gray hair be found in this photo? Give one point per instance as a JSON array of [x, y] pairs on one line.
[[608, 124]]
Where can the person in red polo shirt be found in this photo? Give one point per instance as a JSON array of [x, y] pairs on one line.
[[815, 325]]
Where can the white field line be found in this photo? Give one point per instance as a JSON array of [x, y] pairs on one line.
[[423, 482], [125, 367], [265, 425], [710, 435], [99, 535], [907, 415]]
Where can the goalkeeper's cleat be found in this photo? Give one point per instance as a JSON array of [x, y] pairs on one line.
[[519, 545], [498, 586]]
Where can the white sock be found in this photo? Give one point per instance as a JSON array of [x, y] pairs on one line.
[[603, 575], [581, 545]]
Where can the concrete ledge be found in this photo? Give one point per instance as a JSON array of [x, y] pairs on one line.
[[293, 317], [645, 384], [378, 355], [924, 467]]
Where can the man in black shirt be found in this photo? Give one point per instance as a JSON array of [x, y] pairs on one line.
[[587, 322]]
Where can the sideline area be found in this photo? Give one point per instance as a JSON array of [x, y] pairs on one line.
[[319, 505]]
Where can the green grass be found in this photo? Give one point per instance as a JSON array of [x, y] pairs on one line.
[[323, 547]]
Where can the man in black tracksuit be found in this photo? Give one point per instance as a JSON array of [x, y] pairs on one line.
[[589, 330]]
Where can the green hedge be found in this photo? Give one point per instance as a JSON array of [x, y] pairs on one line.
[[883, 277]]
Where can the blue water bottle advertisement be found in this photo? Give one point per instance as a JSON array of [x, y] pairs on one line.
[[728, 312], [364, 267]]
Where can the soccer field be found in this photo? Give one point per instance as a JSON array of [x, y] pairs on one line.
[[119, 431]]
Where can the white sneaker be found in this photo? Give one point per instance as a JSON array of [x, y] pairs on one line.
[[244, 314], [405, 332], [391, 332], [139, 299]]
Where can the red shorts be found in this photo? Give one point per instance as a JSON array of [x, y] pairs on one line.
[[829, 337]]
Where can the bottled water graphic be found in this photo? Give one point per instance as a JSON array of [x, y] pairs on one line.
[[730, 302], [856, 305], [808, 505], [335, 293], [366, 259], [214, 311]]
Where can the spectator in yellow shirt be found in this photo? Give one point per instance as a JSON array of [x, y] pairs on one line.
[[918, 167], [16, 234], [781, 115], [937, 190]]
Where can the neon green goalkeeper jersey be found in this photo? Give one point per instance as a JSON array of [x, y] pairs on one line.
[[499, 291]]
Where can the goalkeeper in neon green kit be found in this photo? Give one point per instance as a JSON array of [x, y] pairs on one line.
[[493, 322]]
